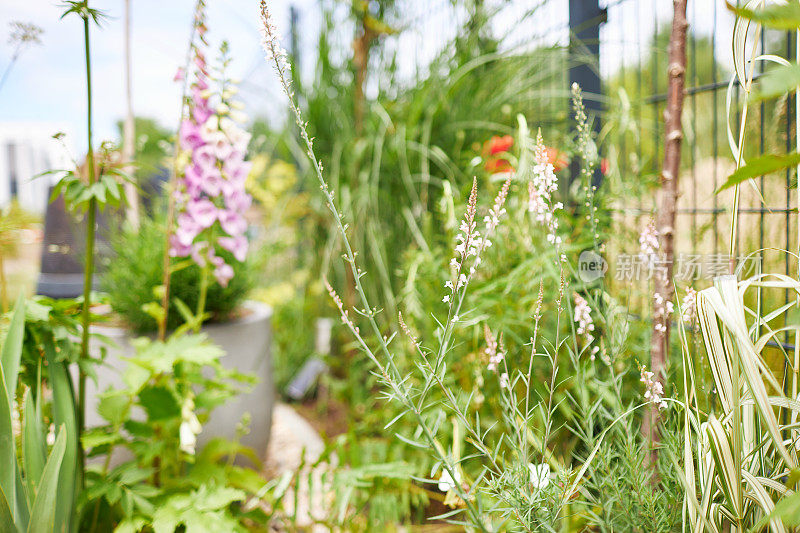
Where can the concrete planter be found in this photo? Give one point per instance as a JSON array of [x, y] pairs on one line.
[[247, 344]]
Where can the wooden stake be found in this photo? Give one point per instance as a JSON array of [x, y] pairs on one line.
[[665, 219]]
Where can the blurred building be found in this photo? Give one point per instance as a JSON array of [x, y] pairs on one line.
[[26, 150]]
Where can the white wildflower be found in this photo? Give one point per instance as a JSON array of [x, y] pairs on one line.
[[689, 305], [654, 391], [662, 311], [494, 350], [648, 244], [583, 318], [542, 185], [446, 481], [540, 475], [504, 380]]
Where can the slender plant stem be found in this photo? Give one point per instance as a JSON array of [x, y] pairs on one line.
[[106, 465], [167, 273], [11, 63], [88, 269], [201, 300]]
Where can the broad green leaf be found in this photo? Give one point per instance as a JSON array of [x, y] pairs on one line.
[[781, 16], [11, 352], [165, 519], [159, 403], [759, 166], [219, 497], [43, 513], [788, 510], [94, 438], [114, 407], [131, 525], [135, 377], [778, 81]]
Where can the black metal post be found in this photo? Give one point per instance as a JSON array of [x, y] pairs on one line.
[[585, 17]]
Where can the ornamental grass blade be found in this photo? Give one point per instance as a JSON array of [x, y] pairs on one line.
[[729, 479], [762, 498], [726, 302]]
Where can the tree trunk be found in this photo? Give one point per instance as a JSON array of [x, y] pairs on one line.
[[665, 220], [129, 128]]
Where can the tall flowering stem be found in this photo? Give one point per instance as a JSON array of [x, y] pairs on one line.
[[88, 270], [388, 371], [588, 151], [198, 26], [208, 194]]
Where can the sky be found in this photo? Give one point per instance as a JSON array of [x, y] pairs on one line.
[[48, 82]]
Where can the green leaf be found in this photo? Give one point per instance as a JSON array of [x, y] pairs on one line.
[[64, 416], [165, 520], [114, 407], [135, 377], [94, 438], [8, 463], [6, 520], [779, 16], [760, 166], [34, 452], [99, 192], [159, 403], [155, 310], [11, 352], [43, 513], [131, 525], [138, 429], [218, 498], [778, 81]]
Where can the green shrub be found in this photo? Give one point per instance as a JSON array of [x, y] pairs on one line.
[[134, 271]]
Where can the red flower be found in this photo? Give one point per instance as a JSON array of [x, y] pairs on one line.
[[557, 158], [497, 145], [605, 166], [496, 165]]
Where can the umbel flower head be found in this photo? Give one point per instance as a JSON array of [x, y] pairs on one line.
[[210, 195]]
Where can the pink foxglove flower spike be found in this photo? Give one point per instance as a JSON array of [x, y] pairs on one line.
[[211, 196]]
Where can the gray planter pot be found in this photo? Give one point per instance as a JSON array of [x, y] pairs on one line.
[[247, 345]]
